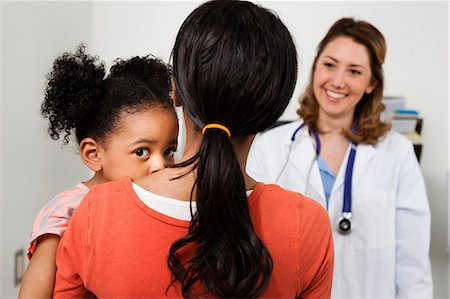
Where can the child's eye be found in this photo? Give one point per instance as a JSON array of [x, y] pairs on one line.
[[142, 152], [170, 152]]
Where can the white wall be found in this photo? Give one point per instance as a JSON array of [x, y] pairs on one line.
[[35, 32], [33, 167], [1, 138]]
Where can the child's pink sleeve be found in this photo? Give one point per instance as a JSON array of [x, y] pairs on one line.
[[54, 217]]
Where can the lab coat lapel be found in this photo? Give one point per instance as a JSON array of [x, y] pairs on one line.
[[364, 154]]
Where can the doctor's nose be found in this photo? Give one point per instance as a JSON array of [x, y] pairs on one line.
[[338, 79]]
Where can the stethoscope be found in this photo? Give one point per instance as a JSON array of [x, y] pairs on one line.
[[344, 223]]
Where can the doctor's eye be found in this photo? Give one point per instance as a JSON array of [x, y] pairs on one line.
[[355, 72]]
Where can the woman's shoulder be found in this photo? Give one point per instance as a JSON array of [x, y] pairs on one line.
[[291, 205]]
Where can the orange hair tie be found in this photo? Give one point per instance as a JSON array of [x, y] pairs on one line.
[[216, 126]]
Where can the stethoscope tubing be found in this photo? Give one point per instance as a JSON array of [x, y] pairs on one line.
[[344, 223], [347, 206]]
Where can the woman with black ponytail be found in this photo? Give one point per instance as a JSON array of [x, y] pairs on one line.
[[204, 228]]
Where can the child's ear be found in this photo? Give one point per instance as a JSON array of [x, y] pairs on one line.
[[90, 154], [175, 100]]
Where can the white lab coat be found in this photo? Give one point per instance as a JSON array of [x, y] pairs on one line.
[[387, 253]]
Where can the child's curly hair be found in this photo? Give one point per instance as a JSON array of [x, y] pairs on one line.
[[79, 97]]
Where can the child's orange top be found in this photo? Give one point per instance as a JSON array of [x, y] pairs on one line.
[[117, 247]]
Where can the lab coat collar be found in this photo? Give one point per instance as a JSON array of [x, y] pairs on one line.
[[304, 150]]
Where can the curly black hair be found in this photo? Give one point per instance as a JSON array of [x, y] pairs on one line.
[[80, 98], [147, 69]]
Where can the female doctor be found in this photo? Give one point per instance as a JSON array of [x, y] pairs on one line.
[[366, 176]]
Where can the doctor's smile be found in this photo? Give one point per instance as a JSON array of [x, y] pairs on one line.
[[334, 96]]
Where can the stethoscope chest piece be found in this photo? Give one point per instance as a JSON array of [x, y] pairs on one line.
[[344, 223]]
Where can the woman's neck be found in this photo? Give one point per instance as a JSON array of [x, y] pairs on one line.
[[193, 138], [329, 124], [333, 143]]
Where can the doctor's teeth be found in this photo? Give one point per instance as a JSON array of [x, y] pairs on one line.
[[335, 95]]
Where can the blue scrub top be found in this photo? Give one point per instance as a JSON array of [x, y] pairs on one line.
[[327, 177]]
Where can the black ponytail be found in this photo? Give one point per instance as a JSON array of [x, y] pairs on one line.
[[230, 259], [234, 64]]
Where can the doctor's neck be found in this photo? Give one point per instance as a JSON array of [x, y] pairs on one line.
[[333, 124]]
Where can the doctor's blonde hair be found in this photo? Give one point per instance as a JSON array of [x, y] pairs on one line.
[[368, 110]]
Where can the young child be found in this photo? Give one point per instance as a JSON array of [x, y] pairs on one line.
[[125, 125]]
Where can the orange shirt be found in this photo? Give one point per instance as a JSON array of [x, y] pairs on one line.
[[117, 247]]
